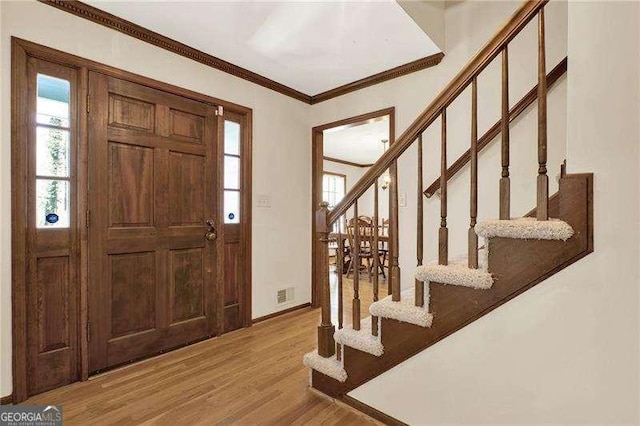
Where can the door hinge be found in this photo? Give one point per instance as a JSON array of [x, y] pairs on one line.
[[88, 331], [88, 218], [220, 110], [88, 98]]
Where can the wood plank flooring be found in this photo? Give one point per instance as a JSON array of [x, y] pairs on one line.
[[250, 376], [365, 296]]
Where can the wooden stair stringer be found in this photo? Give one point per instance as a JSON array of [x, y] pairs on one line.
[[516, 265]]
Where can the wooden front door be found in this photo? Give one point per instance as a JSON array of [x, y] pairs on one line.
[[153, 185]]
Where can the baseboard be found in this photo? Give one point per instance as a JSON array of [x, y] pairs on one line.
[[370, 411], [6, 400], [277, 314]]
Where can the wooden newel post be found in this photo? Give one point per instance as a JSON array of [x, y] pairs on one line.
[[326, 344]]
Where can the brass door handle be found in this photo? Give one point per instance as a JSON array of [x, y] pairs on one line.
[[211, 235]]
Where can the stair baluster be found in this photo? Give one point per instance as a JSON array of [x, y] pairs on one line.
[[326, 343], [543, 180], [443, 232], [394, 245], [339, 270], [419, 285], [375, 253], [355, 254], [505, 181], [473, 202]]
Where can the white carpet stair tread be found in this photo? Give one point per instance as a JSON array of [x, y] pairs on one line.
[[405, 310], [328, 366], [360, 339], [528, 228], [457, 272]]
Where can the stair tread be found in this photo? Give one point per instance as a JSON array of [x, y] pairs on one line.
[[328, 366], [457, 272], [528, 228], [405, 310], [361, 339]]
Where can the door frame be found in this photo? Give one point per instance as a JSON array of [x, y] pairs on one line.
[[21, 51], [317, 169]]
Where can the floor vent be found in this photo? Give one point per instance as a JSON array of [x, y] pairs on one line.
[[285, 295]]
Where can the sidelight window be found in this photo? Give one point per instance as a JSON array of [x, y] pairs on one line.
[[53, 145], [232, 181]]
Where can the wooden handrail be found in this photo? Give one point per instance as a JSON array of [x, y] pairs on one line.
[[553, 76], [459, 83]]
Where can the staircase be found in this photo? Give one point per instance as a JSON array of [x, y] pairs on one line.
[[516, 253]]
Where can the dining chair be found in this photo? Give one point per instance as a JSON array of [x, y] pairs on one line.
[[365, 249], [383, 249]]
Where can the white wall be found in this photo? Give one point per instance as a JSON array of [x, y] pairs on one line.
[[469, 25], [566, 351], [429, 15], [281, 150]]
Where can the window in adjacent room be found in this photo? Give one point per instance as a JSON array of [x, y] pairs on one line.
[[334, 188]]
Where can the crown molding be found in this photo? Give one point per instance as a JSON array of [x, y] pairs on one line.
[[108, 20], [399, 71], [348, 163]]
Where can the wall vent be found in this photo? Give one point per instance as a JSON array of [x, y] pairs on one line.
[[285, 295]]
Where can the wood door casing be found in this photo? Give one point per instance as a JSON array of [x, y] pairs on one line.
[[317, 170], [153, 277]]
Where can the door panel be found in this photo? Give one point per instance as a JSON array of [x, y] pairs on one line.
[[233, 317], [53, 303], [132, 283], [187, 284], [186, 172], [131, 113], [185, 126], [130, 185], [152, 178]]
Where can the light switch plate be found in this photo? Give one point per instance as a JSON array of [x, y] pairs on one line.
[[402, 199], [264, 201]]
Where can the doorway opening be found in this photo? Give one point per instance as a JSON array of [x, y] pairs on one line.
[[343, 151]]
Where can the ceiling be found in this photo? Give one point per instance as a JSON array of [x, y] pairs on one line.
[[360, 144], [309, 46]]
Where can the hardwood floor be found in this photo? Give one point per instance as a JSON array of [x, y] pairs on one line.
[[365, 295], [250, 376]]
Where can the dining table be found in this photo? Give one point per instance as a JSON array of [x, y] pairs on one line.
[[335, 236]]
